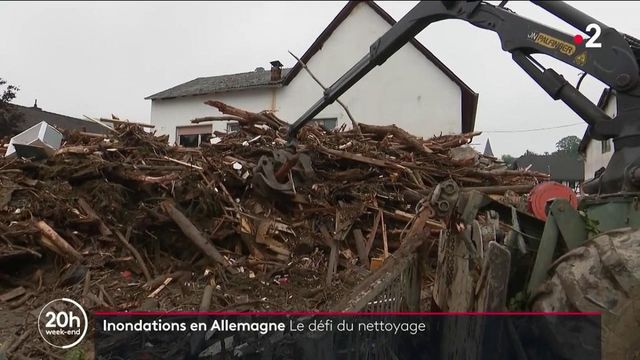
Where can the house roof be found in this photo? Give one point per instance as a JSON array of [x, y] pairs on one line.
[[602, 102], [34, 115], [561, 167], [262, 79], [487, 149], [469, 97], [259, 78]]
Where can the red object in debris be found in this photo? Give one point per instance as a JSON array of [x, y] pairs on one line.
[[540, 195], [281, 280], [126, 274]]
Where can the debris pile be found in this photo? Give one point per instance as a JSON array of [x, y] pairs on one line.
[[128, 222]]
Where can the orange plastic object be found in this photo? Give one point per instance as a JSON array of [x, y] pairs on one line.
[[540, 195]]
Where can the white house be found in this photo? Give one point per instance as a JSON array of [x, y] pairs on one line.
[[598, 153], [413, 89]]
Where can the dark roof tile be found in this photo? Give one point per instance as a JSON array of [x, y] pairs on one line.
[[561, 167], [33, 116], [222, 83]]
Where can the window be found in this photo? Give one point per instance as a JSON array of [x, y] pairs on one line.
[[233, 126], [193, 136], [188, 140], [606, 145], [328, 123], [204, 138]]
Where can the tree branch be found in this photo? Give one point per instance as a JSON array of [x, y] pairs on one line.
[[354, 123]]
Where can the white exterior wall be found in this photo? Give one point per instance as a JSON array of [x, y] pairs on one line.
[[169, 113], [595, 158], [408, 90]]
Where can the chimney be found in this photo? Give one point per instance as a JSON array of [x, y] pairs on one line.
[[276, 70], [35, 105]]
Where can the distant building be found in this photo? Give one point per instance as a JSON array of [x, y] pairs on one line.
[[412, 89], [487, 149], [34, 115], [597, 153], [563, 168]]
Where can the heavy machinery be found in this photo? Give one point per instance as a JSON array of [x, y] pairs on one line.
[[585, 259]]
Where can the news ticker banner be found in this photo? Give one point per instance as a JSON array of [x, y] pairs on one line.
[[150, 335]]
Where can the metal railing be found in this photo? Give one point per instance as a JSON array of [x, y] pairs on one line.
[[395, 291]]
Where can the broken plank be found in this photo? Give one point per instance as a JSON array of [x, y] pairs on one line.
[[385, 244], [12, 294], [332, 266], [361, 246], [374, 230]]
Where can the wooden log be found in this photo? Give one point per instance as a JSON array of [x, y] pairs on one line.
[[205, 303], [77, 150], [496, 190], [360, 158], [182, 163], [216, 118], [51, 238], [135, 254], [383, 130], [84, 205], [16, 344], [153, 179], [249, 118], [504, 173], [113, 121], [193, 234]]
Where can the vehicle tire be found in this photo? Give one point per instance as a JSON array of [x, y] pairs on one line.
[[601, 276]]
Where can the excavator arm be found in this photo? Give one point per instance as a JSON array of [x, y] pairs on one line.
[[610, 59]]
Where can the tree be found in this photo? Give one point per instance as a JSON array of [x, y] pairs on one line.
[[568, 145], [508, 159], [10, 118]]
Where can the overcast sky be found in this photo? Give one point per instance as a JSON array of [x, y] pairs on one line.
[[100, 58]]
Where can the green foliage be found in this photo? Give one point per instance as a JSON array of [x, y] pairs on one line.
[[590, 224], [74, 354], [508, 159], [10, 119], [518, 302], [568, 145]]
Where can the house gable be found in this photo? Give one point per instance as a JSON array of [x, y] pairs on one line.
[[469, 97]]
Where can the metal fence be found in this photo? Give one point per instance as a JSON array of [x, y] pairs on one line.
[[397, 290]]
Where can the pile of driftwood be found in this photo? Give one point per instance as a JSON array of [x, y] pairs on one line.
[[127, 221]]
